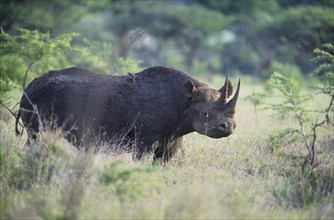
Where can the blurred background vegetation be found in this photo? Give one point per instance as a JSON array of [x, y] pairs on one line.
[[203, 37]]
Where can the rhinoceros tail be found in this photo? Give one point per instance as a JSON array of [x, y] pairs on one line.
[[16, 124]]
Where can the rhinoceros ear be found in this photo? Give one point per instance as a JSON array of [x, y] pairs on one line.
[[189, 89]]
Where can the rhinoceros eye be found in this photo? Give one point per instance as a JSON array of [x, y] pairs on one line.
[[205, 115]]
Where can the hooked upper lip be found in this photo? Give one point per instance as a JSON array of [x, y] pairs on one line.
[[217, 133]]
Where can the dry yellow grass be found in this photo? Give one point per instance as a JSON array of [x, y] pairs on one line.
[[233, 178]]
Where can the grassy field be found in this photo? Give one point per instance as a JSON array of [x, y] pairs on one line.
[[239, 177]]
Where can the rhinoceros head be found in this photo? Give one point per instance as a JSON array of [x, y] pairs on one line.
[[210, 112]]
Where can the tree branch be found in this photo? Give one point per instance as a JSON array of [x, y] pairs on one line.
[[138, 33], [10, 110], [302, 132], [315, 138], [327, 112], [26, 74]]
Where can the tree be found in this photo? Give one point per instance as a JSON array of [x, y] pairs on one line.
[[187, 26], [293, 102], [126, 21], [52, 16], [31, 47], [197, 24], [242, 8], [291, 35], [287, 35]]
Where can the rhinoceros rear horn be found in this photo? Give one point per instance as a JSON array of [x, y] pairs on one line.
[[230, 106], [226, 91]]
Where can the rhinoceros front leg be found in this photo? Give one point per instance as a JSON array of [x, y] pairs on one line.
[[143, 147], [167, 149]]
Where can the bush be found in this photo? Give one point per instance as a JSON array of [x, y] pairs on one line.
[[315, 180], [30, 47], [282, 138], [288, 70], [300, 191]]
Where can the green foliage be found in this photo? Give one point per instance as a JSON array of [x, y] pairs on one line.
[[283, 138], [122, 66], [123, 179], [288, 70], [256, 99], [320, 25], [41, 15], [188, 27], [33, 45], [97, 56], [116, 173], [300, 191], [9, 153], [153, 31], [239, 52], [32, 51], [198, 22], [237, 177], [30, 172], [37, 166], [284, 35], [325, 58], [29, 47], [220, 178], [293, 101], [241, 7]]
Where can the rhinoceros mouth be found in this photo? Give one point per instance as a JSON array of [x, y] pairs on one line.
[[216, 133], [220, 135]]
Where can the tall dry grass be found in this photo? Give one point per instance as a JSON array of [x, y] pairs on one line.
[[239, 177]]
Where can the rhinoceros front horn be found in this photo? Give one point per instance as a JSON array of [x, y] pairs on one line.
[[230, 106]]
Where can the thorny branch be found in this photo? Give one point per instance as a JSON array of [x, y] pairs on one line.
[[311, 149], [302, 131], [35, 110], [26, 74], [28, 69], [328, 110], [10, 110]]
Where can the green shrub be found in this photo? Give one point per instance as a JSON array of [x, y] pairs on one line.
[[122, 178], [315, 180], [98, 56], [30, 47], [288, 70], [300, 191], [283, 138]]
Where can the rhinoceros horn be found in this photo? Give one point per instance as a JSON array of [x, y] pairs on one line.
[[230, 106], [226, 91]]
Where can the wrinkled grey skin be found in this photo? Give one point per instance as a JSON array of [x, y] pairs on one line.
[[153, 108]]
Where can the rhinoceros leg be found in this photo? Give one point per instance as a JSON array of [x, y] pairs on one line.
[[167, 149], [142, 147], [32, 138]]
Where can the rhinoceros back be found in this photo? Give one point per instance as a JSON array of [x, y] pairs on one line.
[[81, 102]]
